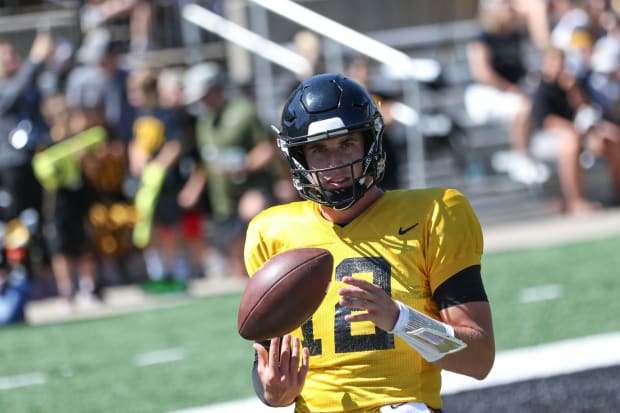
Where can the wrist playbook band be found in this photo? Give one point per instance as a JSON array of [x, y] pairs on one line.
[[429, 337]]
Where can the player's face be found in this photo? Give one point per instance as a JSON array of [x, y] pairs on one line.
[[335, 157]]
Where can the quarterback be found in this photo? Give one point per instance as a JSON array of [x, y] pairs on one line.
[[407, 297]]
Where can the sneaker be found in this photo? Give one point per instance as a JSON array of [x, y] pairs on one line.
[[521, 168]]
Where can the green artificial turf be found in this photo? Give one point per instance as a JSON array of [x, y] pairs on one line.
[[586, 275], [89, 366]]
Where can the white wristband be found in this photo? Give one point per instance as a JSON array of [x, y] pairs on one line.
[[431, 338], [404, 317]]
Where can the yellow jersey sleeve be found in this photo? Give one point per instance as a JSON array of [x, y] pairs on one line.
[[454, 237]]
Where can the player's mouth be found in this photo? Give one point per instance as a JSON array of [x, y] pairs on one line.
[[336, 182]]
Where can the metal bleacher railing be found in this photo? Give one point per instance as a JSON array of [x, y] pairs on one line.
[[404, 50]]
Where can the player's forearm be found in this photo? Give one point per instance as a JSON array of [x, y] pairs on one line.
[[169, 154], [476, 360], [472, 323]]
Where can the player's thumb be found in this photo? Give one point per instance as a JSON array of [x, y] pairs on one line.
[[261, 353]]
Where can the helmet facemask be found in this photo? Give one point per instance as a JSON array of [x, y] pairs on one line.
[[308, 182], [324, 107]]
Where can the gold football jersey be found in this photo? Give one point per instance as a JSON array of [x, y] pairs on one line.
[[408, 242]]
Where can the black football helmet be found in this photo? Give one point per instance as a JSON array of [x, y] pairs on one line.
[[323, 107]]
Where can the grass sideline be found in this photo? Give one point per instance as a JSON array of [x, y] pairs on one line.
[[191, 355]]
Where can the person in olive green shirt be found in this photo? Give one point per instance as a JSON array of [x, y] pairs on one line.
[[238, 159]]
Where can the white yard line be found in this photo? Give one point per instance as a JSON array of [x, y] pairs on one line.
[[540, 293], [22, 380], [546, 360], [510, 366], [158, 357]]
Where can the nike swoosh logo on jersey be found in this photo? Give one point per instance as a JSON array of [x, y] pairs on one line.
[[402, 230]]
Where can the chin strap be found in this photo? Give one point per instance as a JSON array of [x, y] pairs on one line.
[[429, 337]]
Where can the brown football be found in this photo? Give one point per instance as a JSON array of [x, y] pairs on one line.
[[284, 293]]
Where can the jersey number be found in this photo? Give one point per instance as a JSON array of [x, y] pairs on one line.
[[344, 341]]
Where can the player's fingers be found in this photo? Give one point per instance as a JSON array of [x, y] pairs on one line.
[[352, 302], [285, 353], [305, 364], [295, 351], [352, 318], [351, 297], [358, 282], [274, 352], [370, 294]]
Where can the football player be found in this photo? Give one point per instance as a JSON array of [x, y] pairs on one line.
[[407, 297]]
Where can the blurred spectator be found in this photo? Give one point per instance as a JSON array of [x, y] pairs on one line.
[[154, 152], [21, 124], [193, 217], [358, 68], [96, 14], [70, 198], [603, 82], [496, 63], [578, 55], [237, 152], [561, 108], [536, 19], [564, 17], [309, 45], [576, 26], [15, 280], [498, 93], [98, 68]]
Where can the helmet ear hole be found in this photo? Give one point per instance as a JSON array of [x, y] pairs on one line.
[[369, 140], [298, 154]]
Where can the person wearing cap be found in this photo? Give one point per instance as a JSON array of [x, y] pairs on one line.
[[237, 155]]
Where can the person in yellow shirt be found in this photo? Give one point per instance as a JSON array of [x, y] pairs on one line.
[[409, 297]]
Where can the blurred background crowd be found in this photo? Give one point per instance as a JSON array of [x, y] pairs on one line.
[[135, 144]]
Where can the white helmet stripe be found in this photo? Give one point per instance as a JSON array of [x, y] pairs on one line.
[[325, 125]]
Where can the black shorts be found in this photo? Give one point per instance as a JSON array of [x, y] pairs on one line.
[[24, 189], [70, 232]]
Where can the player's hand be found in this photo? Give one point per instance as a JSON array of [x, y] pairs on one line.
[[380, 308], [282, 376]]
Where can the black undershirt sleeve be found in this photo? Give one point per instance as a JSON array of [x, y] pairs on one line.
[[463, 287]]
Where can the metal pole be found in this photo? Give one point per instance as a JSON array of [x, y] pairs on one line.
[[416, 158], [263, 73], [239, 67]]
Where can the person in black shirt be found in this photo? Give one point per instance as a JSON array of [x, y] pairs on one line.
[[497, 68], [561, 107]]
